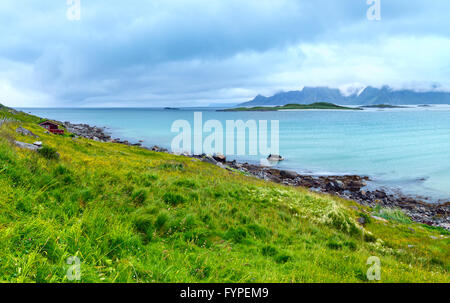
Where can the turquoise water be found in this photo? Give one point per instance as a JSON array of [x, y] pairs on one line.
[[406, 149]]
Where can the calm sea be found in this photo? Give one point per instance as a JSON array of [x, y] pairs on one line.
[[407, 149]]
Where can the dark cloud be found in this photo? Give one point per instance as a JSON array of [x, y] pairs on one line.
[[150, 52]]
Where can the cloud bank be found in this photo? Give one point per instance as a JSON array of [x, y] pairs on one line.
[[197, 52]]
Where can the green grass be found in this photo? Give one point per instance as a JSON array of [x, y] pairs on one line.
[[48, 152], [133, 215], [317, 105], [392, 215]]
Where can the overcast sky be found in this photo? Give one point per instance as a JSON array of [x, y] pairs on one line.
[[197, 52]]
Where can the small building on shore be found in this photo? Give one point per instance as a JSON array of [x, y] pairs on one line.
[[52, 127]]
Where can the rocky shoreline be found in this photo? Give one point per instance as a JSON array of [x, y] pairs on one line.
[[351, 187], [94, 133]]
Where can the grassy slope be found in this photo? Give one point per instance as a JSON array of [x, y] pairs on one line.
[[318, 105], [133, 215]]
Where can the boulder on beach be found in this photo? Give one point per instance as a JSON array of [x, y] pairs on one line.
[[158, 149], [220, 158], [288, 174]]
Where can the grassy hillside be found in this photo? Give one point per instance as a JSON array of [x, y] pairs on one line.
[[317, 105], [133, 215]]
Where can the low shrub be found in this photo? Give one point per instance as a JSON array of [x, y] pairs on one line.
[[269, 251], [173, 199], [258, 231], [333, 244], [161, 220], [186, 183], [48, 153], [236, 235], [172, 166], [139, 196], [148, 179], [200, 237], [351, 245], [283, 258]]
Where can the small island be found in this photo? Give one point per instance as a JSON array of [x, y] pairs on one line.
[[383, 106], [317, 105]]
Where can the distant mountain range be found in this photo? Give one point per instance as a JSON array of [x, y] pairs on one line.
[[367, 96]]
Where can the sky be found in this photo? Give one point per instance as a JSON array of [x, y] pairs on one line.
[[145, 53]]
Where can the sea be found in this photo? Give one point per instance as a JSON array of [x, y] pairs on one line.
[[400, 149]]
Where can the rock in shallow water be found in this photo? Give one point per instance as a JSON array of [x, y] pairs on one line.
[[275, 158]]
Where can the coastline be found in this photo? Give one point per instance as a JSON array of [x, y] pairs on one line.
[[350, 187]]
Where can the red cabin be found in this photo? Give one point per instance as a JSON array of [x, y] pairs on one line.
[[52, 127]]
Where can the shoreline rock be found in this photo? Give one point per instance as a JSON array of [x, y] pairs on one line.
[[352, 187], [87, 131], [275, 158], [220, 158]]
